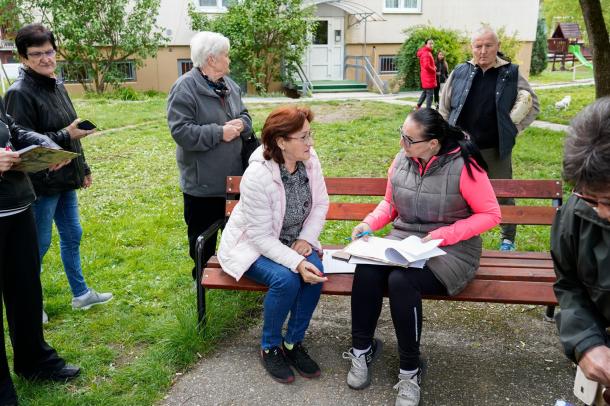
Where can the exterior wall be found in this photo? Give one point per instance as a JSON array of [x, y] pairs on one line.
[[158, 73]]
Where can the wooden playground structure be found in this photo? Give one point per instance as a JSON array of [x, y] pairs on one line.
[[566, 45]]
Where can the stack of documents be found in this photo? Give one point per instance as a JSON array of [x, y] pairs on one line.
[[410, 252]]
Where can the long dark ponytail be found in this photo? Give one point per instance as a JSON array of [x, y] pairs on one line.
[[449, 137]]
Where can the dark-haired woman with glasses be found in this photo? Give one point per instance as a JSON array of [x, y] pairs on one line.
[[272, 237], [437, 189], [39, 100], [580, 244]]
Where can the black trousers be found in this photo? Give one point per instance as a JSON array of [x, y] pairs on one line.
[[199, 214], [22, 295], [405, 288]]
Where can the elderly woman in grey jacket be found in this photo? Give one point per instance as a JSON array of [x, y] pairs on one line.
[[208, 121]]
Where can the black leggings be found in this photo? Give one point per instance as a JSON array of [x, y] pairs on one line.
[[405, 288]]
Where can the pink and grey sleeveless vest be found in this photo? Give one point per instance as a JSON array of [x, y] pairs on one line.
[[432, 200]]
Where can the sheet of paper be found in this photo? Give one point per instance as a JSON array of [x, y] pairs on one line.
[[332, 265], [356, 260]]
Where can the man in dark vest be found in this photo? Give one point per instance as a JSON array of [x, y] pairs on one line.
[[489, 99]]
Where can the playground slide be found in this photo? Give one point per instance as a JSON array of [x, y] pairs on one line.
[[575, 49]]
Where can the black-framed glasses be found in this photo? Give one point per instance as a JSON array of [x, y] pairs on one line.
[[307, 137], [39, 54], [590, 201], [408, 140]]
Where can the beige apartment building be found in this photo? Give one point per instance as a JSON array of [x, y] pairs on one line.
[[347, 30]]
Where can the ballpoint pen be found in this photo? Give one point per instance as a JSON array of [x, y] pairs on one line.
[[359, 235]]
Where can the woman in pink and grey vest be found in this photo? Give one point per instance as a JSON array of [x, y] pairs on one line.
[[437, 189]]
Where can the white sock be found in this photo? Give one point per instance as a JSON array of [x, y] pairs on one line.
[[83, 295], [411, 373], [358, 352]]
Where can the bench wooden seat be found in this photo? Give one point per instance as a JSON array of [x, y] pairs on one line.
[[503, 277]]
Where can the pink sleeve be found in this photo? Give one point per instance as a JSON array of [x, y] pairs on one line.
[[385, 210], [480, 196]]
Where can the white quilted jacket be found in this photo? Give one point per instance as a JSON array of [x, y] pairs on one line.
[[256, 221]]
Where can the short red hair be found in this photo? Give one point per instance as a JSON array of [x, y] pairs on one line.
[[282, 122]]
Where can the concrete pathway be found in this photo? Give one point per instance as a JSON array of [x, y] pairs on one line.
[[476, 354]]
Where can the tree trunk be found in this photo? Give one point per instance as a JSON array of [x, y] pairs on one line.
[[600, 45]]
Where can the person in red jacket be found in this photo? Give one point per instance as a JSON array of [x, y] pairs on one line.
[[427, 73]]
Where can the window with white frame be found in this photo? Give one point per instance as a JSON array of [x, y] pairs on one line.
[[387, 64], [212, 5], [402, 6]]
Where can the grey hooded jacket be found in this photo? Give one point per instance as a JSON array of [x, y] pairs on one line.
[[195, 115]]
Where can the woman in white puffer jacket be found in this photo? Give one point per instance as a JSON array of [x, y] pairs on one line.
[[272, 237]]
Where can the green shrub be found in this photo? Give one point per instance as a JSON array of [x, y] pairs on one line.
[[125, 93], [539, 60], [450, 42]]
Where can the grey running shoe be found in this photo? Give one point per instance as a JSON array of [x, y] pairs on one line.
[[45, 317], [91, 299], [359, 376], [408, 389]]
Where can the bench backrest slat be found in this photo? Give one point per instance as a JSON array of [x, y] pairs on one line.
[[530, 215], [535, 189]]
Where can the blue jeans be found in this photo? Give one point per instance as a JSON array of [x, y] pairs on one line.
[[287, 293], [63, 208]]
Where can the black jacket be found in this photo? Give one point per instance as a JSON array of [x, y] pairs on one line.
[[581, 256], [15, 187], [43, 105]]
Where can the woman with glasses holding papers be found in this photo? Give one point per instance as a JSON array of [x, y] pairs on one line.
[[437, 189], [272, 237]]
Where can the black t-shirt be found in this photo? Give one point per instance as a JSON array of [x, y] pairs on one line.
[[478, 116]]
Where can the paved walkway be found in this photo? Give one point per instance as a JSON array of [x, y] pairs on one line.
[[476, 354]]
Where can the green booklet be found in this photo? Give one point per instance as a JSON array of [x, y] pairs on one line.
[[36, 158]]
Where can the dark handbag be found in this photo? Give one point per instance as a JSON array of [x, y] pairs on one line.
[[249, 143]]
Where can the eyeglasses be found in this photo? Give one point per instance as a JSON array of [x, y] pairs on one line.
[[408, 140], [306, 138], [39, 54], [590, 201]]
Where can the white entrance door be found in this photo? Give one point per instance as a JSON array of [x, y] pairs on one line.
[[324, 57]]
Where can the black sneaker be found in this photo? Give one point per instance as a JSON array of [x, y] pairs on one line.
[[301, 361], [275, 363]]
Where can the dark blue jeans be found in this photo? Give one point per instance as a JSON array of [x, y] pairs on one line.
[[63, 209], [287, 293]]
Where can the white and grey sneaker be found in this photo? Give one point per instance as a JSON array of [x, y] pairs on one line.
[[408, 389], [92, 298], [45, 317], [359, 376]]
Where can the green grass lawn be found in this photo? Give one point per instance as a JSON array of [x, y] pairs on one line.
[[548, 76], [581, 97], [135, 245]]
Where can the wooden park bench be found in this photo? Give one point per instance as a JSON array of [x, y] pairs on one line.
[[503, 277]]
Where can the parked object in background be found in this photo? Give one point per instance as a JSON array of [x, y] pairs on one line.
[[564, 103]]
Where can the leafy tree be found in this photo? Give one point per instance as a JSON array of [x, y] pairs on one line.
[[265, 36], [450, 42], [540, 49], [94, 35], [570, 11], [600, 43]]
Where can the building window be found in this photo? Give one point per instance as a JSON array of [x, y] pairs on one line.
[[184, 65], [73, 73], [402, 6], [387, 64], [320, 35], [212, 5], [126, 70]]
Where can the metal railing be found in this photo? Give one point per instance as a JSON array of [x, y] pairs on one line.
[[306, 85], [363, 65]]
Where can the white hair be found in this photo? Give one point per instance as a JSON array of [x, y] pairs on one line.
[[482, 31], [205, 44]]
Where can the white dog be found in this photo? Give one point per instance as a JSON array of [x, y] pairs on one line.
[[564, 103]]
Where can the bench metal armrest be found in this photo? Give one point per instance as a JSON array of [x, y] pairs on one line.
[[202, 239]]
